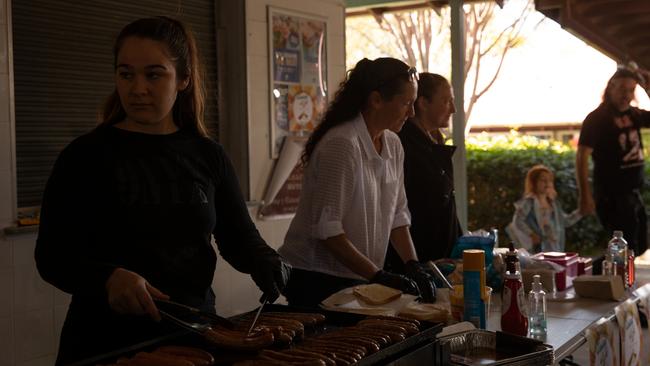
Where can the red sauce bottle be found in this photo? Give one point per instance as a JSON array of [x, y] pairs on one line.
[[513, 302]]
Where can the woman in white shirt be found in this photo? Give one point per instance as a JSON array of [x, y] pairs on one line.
[[353, 202]]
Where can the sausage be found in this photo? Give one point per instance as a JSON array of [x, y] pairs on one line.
[[396, 333], [292, 359], [305, 318], [396, 318], [383, 324], [293, 325], [161, 359], [370, 345], [408, 327], [235, 340], [198, 356], [259, 362], [341, 358], [315, 355], [381, 339], [345, 354], [358, 352]]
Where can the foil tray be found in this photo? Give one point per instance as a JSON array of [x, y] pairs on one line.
[[479, 347]]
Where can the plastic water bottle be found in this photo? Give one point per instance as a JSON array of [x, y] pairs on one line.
[[537, 310], [617, 248]]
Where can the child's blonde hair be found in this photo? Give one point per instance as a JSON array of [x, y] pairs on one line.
[[533, 175]]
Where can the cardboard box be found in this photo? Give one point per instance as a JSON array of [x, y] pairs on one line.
[[600, 287]]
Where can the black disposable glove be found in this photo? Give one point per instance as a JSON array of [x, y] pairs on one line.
[[271, 274], [396, 281], [415, 271]]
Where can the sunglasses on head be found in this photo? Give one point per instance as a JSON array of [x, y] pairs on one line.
[[411, 73]]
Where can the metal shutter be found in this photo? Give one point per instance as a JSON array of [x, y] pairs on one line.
[[63, 71]]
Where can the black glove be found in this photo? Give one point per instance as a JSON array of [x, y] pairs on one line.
[[396, 281], [271, 274], [415, 271]]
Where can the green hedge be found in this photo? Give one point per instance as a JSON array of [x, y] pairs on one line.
[[496, 169]]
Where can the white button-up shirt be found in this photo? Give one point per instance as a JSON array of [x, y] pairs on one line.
[[348, 188]]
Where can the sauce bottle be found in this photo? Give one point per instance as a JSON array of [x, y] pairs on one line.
[[513, 311]]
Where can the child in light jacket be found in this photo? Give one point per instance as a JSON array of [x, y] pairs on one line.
[[539, 222]]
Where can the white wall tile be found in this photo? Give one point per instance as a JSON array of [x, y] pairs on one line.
[[257, 38], [60, 313], [6, 197], [244, 294], [24, 249], [5, 147], [30, 291], [3, 13], [256, 10], [6, 289], [61, 298], [4, 97], [222, 290], [6, 342], [258, 77], [34, 334], [6, 253], [4, 61], [41, 361]]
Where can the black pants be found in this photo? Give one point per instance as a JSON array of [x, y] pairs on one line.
[[625, 212], [309, 288]]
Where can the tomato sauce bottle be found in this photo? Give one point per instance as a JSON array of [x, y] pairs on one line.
[[513, 311]]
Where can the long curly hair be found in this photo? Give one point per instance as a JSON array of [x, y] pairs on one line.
[[386, 75], [621, 73], [189, 107]]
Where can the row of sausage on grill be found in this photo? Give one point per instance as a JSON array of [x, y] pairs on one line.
[[279, 339]]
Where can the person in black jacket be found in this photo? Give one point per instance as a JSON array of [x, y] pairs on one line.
[[130, 208], [428, 173]]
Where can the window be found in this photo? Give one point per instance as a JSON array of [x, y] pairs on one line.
[[63, 69]]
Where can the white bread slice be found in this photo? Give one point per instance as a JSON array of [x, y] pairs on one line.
[[429, 312], [376, 294]]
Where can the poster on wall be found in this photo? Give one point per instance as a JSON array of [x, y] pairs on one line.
[[298, 74]]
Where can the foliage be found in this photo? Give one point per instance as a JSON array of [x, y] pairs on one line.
[[496, 168]]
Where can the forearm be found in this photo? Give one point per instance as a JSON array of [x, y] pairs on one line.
[[582, 171], [401, 240], [351, 257]]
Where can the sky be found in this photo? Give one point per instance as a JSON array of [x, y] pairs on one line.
[[552, 77]]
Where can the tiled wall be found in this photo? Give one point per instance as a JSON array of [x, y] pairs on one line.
[[31, 311]]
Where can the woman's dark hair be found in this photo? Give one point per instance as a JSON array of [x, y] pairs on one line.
[[621, 73], [428, 86], [385, 75], [189, 106]]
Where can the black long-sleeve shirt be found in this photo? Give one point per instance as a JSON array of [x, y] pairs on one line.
[[146, 203]]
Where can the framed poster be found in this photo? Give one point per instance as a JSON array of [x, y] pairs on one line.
[[298, 74]]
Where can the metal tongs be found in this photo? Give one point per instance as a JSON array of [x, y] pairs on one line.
[[263, 301], [189, 317], [439, 274]]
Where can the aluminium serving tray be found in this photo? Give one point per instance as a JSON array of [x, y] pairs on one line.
[[485, 348]]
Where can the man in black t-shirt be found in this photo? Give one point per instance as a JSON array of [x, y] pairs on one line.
[[611, 135]]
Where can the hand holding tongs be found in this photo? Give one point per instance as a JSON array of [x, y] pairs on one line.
[[179, 313]]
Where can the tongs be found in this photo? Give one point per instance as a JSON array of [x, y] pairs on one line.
[[189, 317]]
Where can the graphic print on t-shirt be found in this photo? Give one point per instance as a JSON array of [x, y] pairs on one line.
[[629, 142]]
